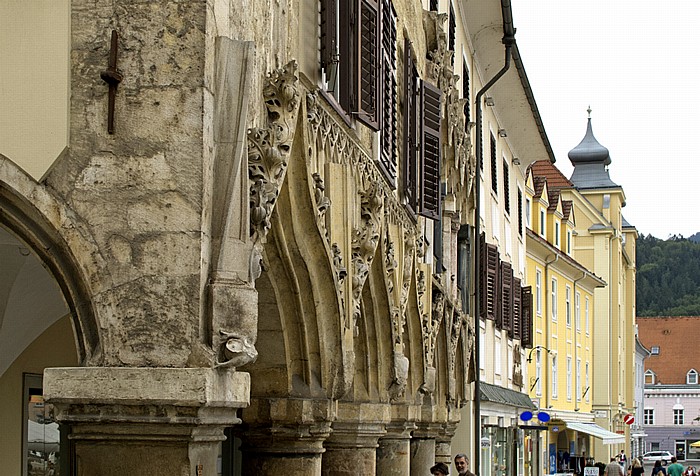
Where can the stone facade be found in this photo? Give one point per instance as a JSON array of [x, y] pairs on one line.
[[246, 250]]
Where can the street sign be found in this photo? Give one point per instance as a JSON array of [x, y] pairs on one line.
[[591, 471], [629, 418]]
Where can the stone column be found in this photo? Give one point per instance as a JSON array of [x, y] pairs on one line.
[[394, 451], [284, 436], [351, 449], [423, 449], [146, 421], [443, 444]]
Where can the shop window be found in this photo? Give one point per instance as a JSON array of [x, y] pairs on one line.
[[43, 444]]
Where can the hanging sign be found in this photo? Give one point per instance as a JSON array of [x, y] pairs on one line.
[[629, 418], [543, 417], [526, 416]]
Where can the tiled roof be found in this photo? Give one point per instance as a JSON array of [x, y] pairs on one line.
[[539, 185], [676, 338], [566, 206], [546, 169], [553, 198]]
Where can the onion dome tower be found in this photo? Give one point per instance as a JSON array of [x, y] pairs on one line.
[[590, 161]]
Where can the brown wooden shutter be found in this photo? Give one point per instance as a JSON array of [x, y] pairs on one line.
[[411, 129], [489, 280], [430, 146], [526, 317], [368, 64], [494, 166], [388, 98], [329, 38], [515, 331], [506, 302], [347, 46]]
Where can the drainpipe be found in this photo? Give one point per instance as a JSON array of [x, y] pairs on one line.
[[508, 40]]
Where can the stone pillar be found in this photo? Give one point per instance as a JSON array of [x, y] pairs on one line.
[[352, 449], [443, 444], [284, 436], [394, 451], [146, 421], [423, 449]]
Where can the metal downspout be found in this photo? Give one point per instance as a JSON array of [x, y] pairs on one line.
[[508, 40]]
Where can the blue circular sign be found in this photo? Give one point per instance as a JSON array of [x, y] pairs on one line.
[[543, 417], [526, 416]]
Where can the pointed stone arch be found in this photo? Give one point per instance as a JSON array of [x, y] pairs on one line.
[[62, 243]]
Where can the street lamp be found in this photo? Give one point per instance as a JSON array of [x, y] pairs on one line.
[[537, 347]]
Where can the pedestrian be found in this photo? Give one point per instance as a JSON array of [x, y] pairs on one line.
[[440, 469], [690, 471], [658, 469], [636, 468], [613, 468], [675, 468], [462, 465], [623, 459]]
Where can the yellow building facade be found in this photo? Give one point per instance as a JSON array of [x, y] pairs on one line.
[[580, 258]]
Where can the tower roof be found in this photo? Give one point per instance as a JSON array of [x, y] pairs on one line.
[[590, 161], [589, 150]]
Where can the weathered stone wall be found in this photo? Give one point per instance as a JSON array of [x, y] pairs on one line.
[[140, 190]]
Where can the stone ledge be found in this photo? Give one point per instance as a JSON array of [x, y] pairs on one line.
[[186, 387]]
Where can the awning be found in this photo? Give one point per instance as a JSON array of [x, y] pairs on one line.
[[505, 396], [608, 437], [695, 445]]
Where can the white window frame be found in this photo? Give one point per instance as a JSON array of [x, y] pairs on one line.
[[538, 372], [555, 377], [538, 291], [587, 312], [568, 306], [557, 234], [569, 376], [652, 376], [578, 380], [543, 228], [691, 377], [648, 416], [554, 299], [678, 416], [588, 384], [568, 242]]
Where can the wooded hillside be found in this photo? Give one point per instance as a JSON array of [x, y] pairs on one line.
[[668, 277]]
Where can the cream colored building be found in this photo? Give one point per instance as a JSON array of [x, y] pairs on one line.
[[238, 238]]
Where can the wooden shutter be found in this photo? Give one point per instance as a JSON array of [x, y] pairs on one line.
[[505, 314], [329, 36], [465, 93], [494, 166], [489, 280], [388, 97], [506, 187], [347, 47], [411, 129], [430, 147], [368, 65], [520, 212], [526, 317], [515, 331]]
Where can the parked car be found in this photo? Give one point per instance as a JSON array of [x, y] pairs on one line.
[[654, 456]]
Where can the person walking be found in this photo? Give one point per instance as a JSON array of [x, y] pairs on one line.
[[440, 469], [675, 468], [636, 468], [658, 469], [613, 468], [462, 465]]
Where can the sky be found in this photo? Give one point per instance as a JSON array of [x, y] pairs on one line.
[[636, 65]]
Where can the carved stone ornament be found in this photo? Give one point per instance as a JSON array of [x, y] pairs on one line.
[[365, 240], [235, 350], [269, 147], [340, 271], [322, 201]]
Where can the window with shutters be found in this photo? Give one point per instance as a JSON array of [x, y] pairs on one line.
[[389, 148], [451, 32], [494, 166], [517, 309], [526, 316], [422, 143], [489, 265], [506, 187], [352, 53], [505, 317], [520, 212], [466, 93]]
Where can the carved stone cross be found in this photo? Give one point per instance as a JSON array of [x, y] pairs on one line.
[[112, 77]]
